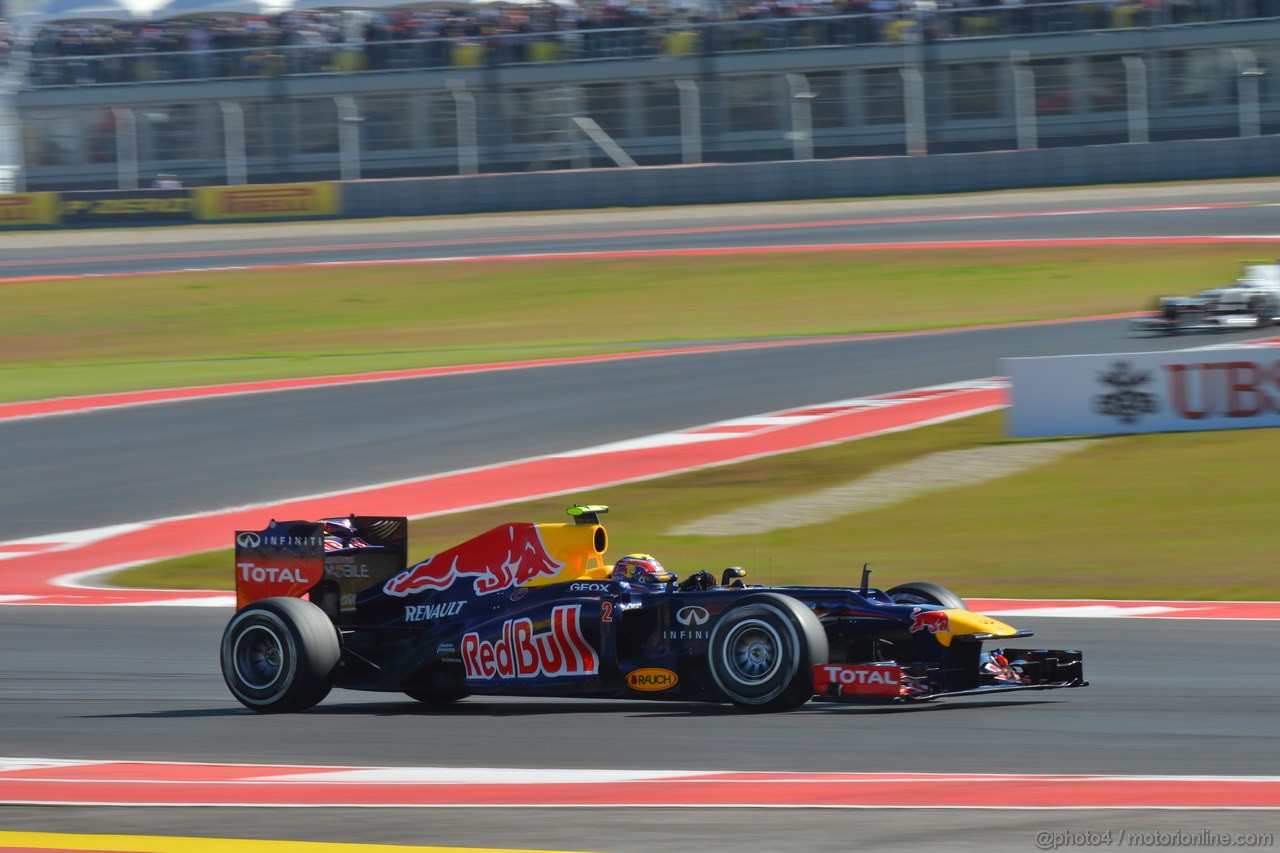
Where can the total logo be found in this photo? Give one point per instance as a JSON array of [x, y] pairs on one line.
[[872, 680], [559, 651], [861, 675], [269, 574]]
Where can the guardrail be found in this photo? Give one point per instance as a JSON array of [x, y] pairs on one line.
[[708, 184], [596, 45]]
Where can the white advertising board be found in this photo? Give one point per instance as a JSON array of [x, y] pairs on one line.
[[1228, 388]]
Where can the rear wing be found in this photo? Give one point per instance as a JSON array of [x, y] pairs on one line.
[[330, 561]]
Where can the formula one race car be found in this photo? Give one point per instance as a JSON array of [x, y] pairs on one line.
[[534, 610], [1251, 301]]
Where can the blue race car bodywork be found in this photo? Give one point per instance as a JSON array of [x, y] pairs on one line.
[[534, 610]]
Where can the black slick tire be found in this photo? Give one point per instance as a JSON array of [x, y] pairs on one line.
[[923, 592], [762, 652], [279, 655]]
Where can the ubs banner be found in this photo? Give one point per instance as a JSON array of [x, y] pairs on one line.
[[267, 201], [1144, 392]]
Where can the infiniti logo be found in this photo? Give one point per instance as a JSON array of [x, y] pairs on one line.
[[248, 540], [692, 616]]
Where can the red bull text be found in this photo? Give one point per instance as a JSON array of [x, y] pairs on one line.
[[520, 653]]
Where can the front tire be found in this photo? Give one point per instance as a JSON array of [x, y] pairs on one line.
[[762, 652], [280, 655], [922, 592]]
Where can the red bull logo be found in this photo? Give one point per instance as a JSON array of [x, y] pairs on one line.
[[502, 558], [932, 621], [520, 653]]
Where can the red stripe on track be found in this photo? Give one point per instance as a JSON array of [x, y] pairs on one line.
[[157, 784], [455, 492]]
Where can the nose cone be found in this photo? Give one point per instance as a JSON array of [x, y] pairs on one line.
[[965, 623]]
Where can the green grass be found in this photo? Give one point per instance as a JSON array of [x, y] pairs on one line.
[[1165, 516], [87, 336], [1179, 516]]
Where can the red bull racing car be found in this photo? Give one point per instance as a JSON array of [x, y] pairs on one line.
[[535, 610]]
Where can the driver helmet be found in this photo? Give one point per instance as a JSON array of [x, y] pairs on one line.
[[641, 568]]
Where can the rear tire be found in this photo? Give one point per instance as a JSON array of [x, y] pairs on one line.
[[1263, 309], [922, 592], [762, 652], [280, 655]]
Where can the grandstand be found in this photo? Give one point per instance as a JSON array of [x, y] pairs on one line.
[[235, 92]]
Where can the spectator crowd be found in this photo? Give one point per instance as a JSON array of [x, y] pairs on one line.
[[435, 32]]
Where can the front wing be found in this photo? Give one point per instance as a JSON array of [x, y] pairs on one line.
[[1210, 322], [1026, 669]]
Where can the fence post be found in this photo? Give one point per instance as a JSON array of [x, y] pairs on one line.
[[914, 111], [1135, 86], [1024, 99], [801, 117], [348, 137], [233, 143], [126, 148], [690, 121], [570, 98], [464, 104], [1247, 76]]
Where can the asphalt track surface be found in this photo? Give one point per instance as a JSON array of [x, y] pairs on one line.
[[142, 683], [1114, 212], [1165, 698]]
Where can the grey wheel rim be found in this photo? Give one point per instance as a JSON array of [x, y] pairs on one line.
[[259, 657], [753, 652]]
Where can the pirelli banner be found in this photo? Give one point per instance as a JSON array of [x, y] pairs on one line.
[[126, 207], [1228, 388], [25, 210], [267, 201]]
